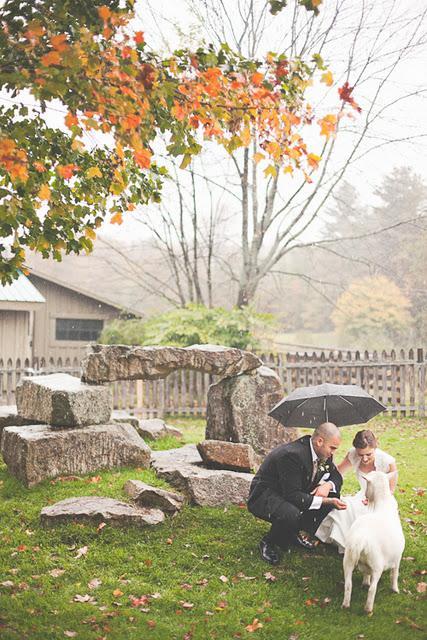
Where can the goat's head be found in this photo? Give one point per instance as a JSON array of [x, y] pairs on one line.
[[377, 486]]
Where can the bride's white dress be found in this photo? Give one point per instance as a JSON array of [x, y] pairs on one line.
[[334, 528]]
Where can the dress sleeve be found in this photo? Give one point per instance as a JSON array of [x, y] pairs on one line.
[[383, 461]]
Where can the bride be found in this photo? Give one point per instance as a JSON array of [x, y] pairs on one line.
[[363, 457]]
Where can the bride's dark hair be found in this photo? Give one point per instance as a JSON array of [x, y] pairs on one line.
[[363, 439]]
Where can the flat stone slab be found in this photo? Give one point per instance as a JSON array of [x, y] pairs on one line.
[[229, 455], [155, 428], [201, 486], [119, 415], [107, 363], [61, 400], [36, 452], [145, 495], [96, 509], [9, 417]]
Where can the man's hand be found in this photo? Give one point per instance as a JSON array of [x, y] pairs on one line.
[[322, 490], [335, 502]]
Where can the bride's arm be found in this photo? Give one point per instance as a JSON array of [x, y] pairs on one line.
[[392, 474], [344, 465]]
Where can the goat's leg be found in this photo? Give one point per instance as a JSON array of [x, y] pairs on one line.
[[348, 575], [366, 579], [394, 576], [369, 606]]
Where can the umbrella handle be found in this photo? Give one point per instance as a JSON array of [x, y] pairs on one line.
[[325, 409]]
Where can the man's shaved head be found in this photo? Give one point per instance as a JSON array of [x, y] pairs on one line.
[[326, 430], [326, 439]]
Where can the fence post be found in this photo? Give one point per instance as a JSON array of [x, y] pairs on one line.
[[421, 366]]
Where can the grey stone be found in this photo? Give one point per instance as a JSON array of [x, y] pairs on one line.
[[238, 409], [119, 415], [201, 486], [9, 417], [61, 400], [107, 363], [146, 495], [37, 452], [155, 428], [229, 455], [96, 509]]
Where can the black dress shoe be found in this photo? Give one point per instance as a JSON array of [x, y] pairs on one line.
[[304, 542], [268, 552]]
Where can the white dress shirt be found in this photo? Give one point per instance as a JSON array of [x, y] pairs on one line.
[[317, 500]]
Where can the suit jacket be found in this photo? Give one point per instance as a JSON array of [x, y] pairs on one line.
[[285, 475]]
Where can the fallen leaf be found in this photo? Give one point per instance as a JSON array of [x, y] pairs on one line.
[[70, 634], [419, 572], [156, 595], [269, 577], [138, 602], [100, 526], [203, 582], [21, 548], [186, 586], [223, 578], [311, 602], [81, 552], [7, 583], [408, 558], [94, 479], [422, 587], [55, 573], [94, 584], [151, 624], [169, 541], [256, 624], [186, 605], [85, 598], [117, 593]]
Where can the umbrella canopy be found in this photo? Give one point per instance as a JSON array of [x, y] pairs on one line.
[[341, 404]]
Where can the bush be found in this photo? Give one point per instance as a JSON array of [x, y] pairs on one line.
[[193, 324]]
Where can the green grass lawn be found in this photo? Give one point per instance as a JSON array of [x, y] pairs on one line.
[[198, 575]]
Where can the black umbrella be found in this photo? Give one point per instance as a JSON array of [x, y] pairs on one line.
[[338, 403]]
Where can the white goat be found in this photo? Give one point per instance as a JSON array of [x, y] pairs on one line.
[[375, 541]]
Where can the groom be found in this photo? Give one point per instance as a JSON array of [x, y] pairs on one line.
[[295, 488]]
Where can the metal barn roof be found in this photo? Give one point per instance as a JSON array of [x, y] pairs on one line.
[[21, 290]]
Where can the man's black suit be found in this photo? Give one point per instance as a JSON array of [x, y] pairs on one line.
[[280, 491]]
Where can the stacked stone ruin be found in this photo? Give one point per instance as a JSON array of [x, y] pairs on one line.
[[64, 426]]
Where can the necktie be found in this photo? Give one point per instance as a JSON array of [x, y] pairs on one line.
[[315, 468]]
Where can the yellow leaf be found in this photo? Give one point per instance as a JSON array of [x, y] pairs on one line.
[[44, 193], [90, 233], [94, 172], [327, 78], [77, 145], [258, 157], [313, 160], [116, 188], [185, 161], [245, 136], [117, 593], [270, 171], [288, 169]]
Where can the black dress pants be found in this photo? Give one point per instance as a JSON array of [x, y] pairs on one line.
[[286, 523]]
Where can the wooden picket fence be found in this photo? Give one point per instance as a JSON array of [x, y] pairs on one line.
[[397, 379]]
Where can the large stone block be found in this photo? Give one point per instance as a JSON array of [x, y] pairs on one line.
[[217, 454], [107, 363], [61, 400], [37, 452], [155, 428], [9, 417], [203, 487], [145, 495], [238, 409], [96, 509]]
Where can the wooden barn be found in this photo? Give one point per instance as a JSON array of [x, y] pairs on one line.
[[44, 318]]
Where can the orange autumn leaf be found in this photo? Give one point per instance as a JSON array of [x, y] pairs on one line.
[[117, 593], [139, 37], [143, 158], [50, 58], [117, 218], [328, 125], [131, 121], [44, 193], [71, 120], [257, 78], [38, 166], [66, 171], [59, 42], [104, 12], [313, 160], [256, 624]]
